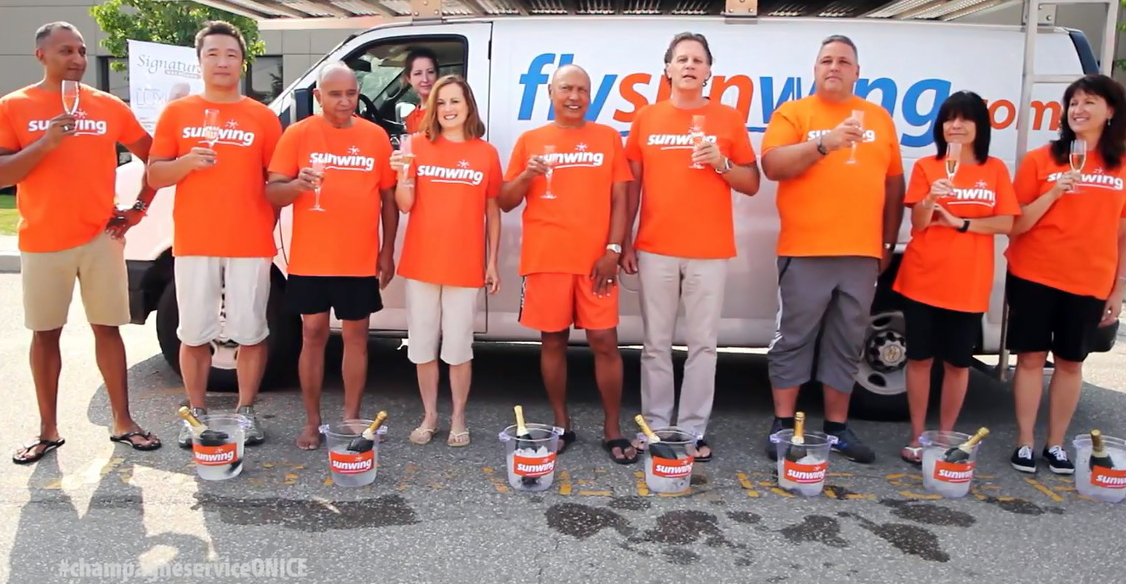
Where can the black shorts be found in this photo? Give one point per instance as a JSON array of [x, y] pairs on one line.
[[352, 298], [1042, 318], [941, 333]]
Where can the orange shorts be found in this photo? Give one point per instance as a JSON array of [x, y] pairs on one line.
[[554, 302]]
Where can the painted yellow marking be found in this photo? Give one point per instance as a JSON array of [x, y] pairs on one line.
[[747, 485], [290, 479], [267, 465], [565, 483], [642, 488], [1044, 489], [408, 474], [328, 481], [680, 494], [255, 481], [585, 493], [844, 475], [781, 492], [498, 483], [920, 496]]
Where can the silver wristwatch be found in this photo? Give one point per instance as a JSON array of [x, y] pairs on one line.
[[614, 248]]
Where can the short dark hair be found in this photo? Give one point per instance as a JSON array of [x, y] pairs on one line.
[[1112, 143], [419, 53], [840, 38], [45, 31], [219, 27], [970, 107]]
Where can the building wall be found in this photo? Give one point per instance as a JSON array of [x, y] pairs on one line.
[[295, 51]]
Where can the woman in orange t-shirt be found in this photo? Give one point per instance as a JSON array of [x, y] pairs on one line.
[[1066, 272], [946, 275], [451, 205], [421, 71]]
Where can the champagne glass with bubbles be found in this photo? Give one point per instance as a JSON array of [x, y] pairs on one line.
[[211, 127], [70, 96], [549, 160], [953, 157], [696, 136], [857, 115], [408, 158], [1077, 159], [318, 167]]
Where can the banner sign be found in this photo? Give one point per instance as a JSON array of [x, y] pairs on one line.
[[158, 74]]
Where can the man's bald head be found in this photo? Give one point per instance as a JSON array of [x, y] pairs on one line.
[[570, 94], [337, 91], [62, 51], [334, 72]]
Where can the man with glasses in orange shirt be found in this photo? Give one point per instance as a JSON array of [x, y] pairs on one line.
[[840, 201], [64, 166]]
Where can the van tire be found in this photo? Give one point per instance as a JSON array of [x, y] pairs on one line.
[[282, 346]]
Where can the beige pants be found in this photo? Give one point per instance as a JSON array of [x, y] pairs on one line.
[[440, 315], [48, 284], [666, 282]]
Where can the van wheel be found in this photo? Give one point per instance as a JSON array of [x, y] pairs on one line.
[[282, 346], [880, 392]]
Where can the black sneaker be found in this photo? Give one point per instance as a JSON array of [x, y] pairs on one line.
[[772, 448], [849, 446], [1057, 460], [1022, 460]]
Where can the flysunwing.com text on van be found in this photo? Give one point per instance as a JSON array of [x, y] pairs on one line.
[[917, 100], [257, 568]]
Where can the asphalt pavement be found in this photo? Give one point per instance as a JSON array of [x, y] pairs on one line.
[[440, 514]]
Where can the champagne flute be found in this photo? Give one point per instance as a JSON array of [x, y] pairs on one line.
[[1077, 159], [408, 158], [318, 167], [857, 115], [953, 157], [549, 160], [211, 127], [70, 91], [696, 136]]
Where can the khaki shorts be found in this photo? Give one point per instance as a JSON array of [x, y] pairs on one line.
[[48, 284], [445, 312], [238, 286]]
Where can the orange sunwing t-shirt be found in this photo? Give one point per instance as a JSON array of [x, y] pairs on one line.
[[1074, 246], [834, 208], [445, 239], [221, 211], [569, 233], [942, 267], [67, 199], [342, 240], [686, 212], [414, 119]]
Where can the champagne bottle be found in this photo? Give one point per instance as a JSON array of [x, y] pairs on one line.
[[961, 453], [366, 440], [797, 450], [1099, 455]]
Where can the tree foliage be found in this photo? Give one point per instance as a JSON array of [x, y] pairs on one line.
[[161, 21]]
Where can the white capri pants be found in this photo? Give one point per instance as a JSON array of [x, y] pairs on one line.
[[201, 282], [440, 312]]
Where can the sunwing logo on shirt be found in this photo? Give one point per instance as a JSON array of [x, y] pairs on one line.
[[869, 135], [83, 126], [1094, 179], [580, 157], [980, 194], [352, 161], [674, 141], [229, 134], [460, 175]]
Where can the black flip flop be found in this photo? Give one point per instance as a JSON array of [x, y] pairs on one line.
[[125, 439], [565, 440], [50, 445], [700, 444], [621, 443]]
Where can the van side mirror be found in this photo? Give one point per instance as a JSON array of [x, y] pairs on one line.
[[303, 100]]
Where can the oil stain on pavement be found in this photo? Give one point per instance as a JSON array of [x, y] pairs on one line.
[[314, 515], [929, 513], [814, 529], [909, 539], [583, 521]]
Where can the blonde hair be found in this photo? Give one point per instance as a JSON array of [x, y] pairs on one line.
[[474, 127]]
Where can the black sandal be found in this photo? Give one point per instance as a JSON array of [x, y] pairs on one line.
[[700, 444], [620, 443], [565, 440], [125, 438], [21, 456]]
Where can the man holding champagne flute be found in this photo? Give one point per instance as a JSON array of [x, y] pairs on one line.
[[335, 170], [840, 216], [58, 146], [223, 240]]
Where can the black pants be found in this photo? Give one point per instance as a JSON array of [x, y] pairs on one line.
[[933, 332], [1042, 318]]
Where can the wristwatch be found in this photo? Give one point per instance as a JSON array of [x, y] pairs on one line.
[[965, 226], [726, 166], [821, 145], [614, 248], [140, 206]]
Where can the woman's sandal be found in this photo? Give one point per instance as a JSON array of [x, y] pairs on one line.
[[27, 454], [458, 439], [422, 435], [916, 455]]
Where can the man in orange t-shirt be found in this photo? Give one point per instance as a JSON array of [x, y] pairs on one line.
[[840, 201], [572, 175], [223, 240], [336, 261], [64, 168], [686, 233]]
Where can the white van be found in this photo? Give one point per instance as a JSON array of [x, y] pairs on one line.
[[907, 66]]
